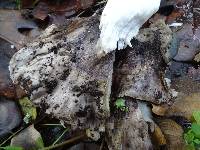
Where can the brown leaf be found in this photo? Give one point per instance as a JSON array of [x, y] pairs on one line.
[[158, 136], [159, 109], [185, 106], [10, 21], [27, 3], [173, 134], [65, 7]]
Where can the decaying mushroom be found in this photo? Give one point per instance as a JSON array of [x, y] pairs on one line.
[[61, 73], [141, 68], [130, 131], [57, 70]]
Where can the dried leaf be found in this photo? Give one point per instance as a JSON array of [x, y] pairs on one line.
[[185, 106], [158, 136], [173, 134], [159, 110], [9, 22], [65, 7]]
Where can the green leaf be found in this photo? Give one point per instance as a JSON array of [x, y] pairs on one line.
[[120, 103], [18, 3], [39, 143], [196, 116], [190, 146], [197, 141], [28, 109], [196, 129], [11, 148], [189, 136]]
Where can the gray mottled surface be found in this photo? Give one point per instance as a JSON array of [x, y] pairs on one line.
[[141, 69], [129, 132], [57, 69]]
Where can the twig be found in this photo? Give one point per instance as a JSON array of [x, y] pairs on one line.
[[17, 45], [64, 143], [10, 137], [48, 124]]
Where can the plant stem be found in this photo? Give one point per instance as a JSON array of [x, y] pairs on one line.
[[60, 137], [11, 136], [51, 124]]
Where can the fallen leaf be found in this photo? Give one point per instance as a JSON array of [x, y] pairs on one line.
[[29, 138], [173, 134], [27, 3], [9, 22], [158, 136], [185, 106], [159, 109], [65, 7]]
